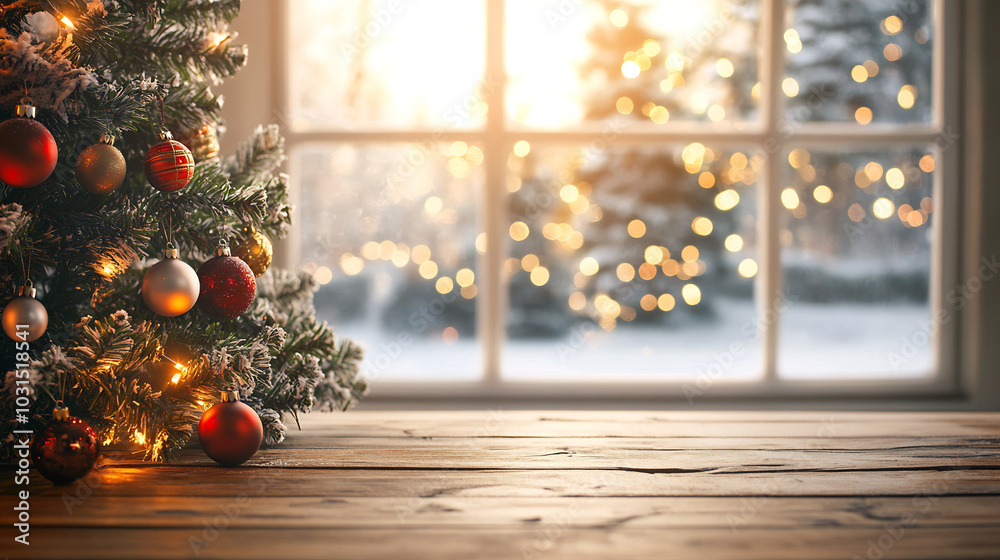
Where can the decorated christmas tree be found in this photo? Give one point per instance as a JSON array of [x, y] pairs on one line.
[[104, 220]]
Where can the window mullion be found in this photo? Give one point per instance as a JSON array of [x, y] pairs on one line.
[[491, 307], [769, 282]]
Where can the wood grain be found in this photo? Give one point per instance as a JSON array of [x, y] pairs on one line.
[[538, 484], [827, 543]]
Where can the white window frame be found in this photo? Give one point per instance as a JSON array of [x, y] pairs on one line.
[[954, 253]]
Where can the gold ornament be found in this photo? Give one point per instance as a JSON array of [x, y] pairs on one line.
[[170, 287], [255, 249], [25, 318], [203, 142], [101, 168]]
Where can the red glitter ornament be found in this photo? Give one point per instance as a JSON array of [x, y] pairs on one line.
[[28, 152], [228, 285], [169, 165], [65, 449], [230, 432]]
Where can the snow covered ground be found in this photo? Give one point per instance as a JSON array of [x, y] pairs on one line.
[[816, 340]]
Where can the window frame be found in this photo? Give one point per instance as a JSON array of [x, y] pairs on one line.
[[954, 252]]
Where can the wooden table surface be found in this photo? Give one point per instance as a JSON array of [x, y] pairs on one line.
[[548, 485]]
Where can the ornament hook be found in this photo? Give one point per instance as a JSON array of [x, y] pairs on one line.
[[60, 412]]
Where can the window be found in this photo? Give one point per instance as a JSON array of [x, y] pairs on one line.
[[675, 193]]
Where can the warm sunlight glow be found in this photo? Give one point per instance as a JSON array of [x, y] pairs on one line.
[[323, 275], [793, 41], [892, 52], [569, 193], [465, 277], [659, 114], [420, 253], [863, 115], [823, 194], [624, 105], [892, 25], [351, 265], [691, 294], [927, 163], [636, 228], [428, 269], [518, 231], [529, 262], [444, 285], [907, 96], [883, 208], [894, 178], [859, 73], [630, 69], [734, 243], [748, 268], [702, 225], [540, 276], [522, 148], [727, 199], [618, 17], [625, 272], [653, 254], [873, 171], [790, 87], [790, 198], [724, 67]]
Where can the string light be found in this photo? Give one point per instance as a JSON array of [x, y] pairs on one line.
[[181, 370]]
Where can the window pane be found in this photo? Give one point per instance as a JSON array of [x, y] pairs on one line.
[[396, 64], [389, 231], [864, 62], [659, 62], [632, 262], [856, 251]]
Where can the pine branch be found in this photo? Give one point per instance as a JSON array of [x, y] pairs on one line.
[[210, 13], [257, 158]]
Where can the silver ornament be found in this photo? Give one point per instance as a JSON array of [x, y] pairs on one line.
[[25, 314], [170, 287]]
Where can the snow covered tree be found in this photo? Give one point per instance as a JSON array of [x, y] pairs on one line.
[[662, 225], [85, 238], [867, 64]]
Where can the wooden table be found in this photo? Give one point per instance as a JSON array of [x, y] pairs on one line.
[[548, 485]]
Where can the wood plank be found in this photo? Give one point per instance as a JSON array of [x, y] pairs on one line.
[[547, 542], [473, 417], [498, 423], [309, 440], [392, 513], [599, 457], [219, 482]]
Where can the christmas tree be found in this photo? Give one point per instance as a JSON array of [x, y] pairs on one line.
[[658, 242], [123, 348]]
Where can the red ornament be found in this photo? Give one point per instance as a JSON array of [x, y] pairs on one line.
[[28, 151], [65, 449], [230, 432], [169, 165], [228, 285]]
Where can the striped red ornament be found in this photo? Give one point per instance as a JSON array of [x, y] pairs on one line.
[[169, 165]]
